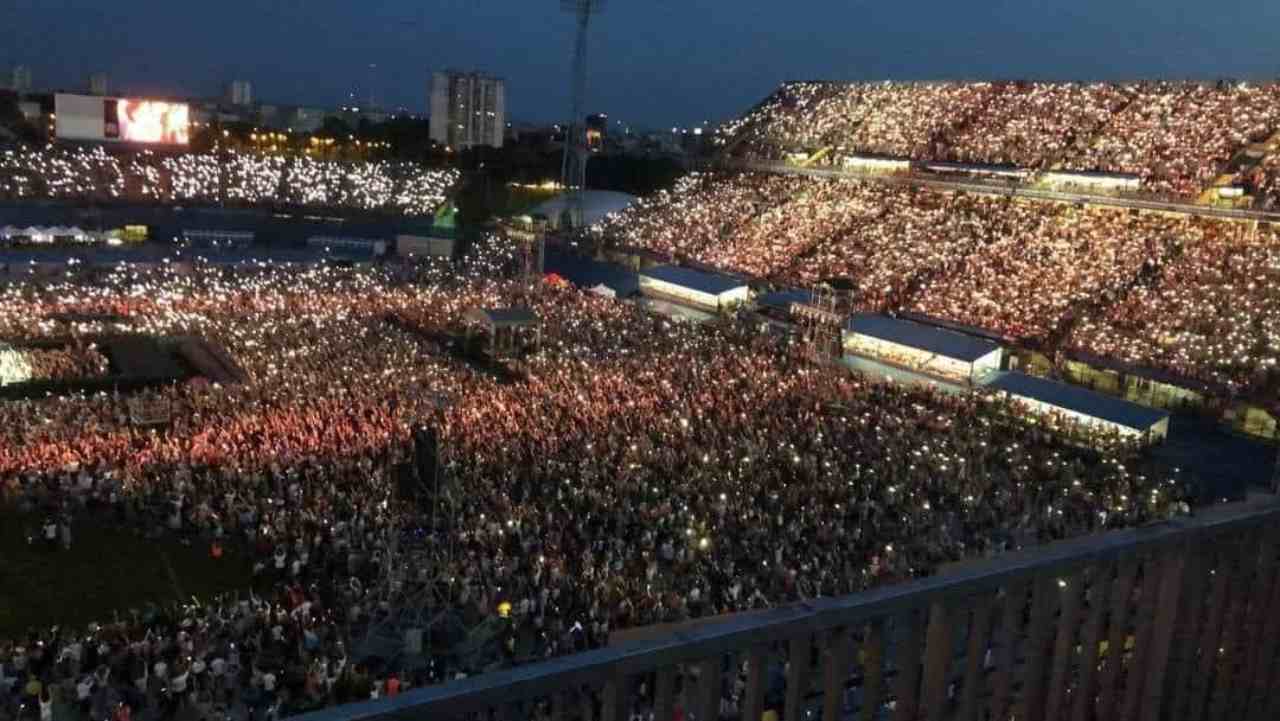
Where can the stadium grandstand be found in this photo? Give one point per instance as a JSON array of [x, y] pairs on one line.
[[235, 179], [1185, 295], [1173, 139]]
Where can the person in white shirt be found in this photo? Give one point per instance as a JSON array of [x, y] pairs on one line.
[[84, 689], [46, 705]]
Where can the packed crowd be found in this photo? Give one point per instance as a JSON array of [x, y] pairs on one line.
[[1032, 125], [1212, 314], [227, 177], [1045, 262], [74, 361], [1197, 290], [1174, 136], [1263, 181], [638, 472], [78, 360]]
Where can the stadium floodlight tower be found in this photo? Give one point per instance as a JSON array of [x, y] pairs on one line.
[[573, 168]]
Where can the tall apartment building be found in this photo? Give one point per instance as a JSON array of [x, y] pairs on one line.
[[240, 92], [20, 79], [467, 109], [98, 84]]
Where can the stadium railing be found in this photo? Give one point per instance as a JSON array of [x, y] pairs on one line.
[[1176, 620]]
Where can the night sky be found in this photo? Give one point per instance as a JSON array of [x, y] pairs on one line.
[[655, 64]]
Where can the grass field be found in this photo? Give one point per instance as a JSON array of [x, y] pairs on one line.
[[108, 568]]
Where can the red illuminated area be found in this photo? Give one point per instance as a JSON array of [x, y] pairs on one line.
[[151, 121]]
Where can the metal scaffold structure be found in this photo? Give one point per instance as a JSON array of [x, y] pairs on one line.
[[821, 319]]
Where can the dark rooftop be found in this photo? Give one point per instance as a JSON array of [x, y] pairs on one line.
[[1080, 400], [943, 342], [710, 283]]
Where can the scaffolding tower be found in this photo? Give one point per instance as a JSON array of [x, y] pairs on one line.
[[820, 320], [414, 589]]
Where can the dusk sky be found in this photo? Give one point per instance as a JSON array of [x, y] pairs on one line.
[[654, 64]]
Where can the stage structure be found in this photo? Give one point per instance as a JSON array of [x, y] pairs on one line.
[[147, 412], [415, 590], [573, 167], [821, 320], [507, 330]]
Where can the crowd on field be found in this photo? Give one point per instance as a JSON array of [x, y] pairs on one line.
[[635, 471]]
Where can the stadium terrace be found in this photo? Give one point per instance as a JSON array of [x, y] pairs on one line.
[[1174, 138], [229, 178]]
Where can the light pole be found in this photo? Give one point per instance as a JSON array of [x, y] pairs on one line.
[[573, 166]]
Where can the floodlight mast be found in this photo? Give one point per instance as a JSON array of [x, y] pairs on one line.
[[573, 167]]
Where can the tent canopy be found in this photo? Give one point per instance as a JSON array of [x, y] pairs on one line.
[[502, 317]]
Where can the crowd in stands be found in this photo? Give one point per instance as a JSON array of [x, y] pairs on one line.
[[1032, 125], [1044, 263], [229, 177], [1178, 136], [75, 361], [1211, 314], [1184, 295], [1263, 181], [1175, 136], [637, 471]]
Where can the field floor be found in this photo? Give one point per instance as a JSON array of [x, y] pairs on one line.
[[110, 568]]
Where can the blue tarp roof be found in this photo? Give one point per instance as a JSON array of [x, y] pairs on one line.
[[1080, 400], [710, 283], [587, 273], [941, 341], [782, 299]]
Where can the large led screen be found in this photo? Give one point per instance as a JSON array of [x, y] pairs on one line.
[[131, 120], [147, 121]]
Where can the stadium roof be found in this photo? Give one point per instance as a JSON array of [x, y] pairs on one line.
[[1080, 400], [941, 341], [709, 283], [596, 204]]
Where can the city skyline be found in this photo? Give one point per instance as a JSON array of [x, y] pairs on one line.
[[652, 65]]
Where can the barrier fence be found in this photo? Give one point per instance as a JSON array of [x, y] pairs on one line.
[[1172, 621]]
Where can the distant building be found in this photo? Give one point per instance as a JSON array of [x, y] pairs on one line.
[[31, 111], [240, 92], [20, 79], [467, 109], [352, 115], [98, 84], [597, 130], [304, 120], [270, 116]]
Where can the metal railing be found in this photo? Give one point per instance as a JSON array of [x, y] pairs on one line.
[[1175, 621]]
